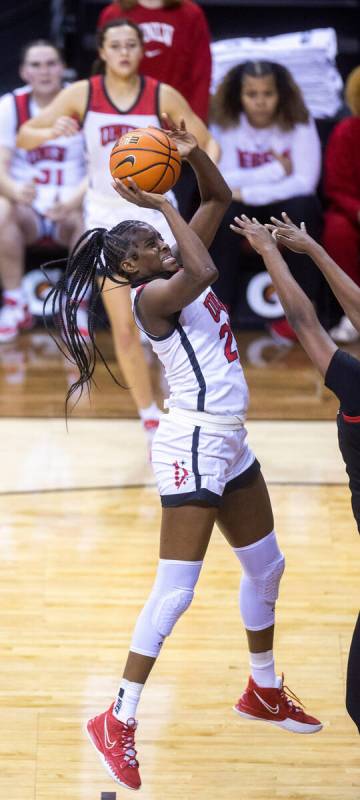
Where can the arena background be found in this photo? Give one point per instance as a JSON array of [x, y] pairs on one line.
[[71, 24], [79, 528]]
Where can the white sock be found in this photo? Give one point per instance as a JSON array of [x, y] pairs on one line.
[[151, 412], [127, 700], [263, 668], [16, 295]]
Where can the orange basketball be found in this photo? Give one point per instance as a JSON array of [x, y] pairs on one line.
[[149, 157]]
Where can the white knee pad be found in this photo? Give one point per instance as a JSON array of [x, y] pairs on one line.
[[263, 565], [171, 595]]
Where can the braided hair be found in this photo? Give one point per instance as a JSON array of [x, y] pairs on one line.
[[96, 256]]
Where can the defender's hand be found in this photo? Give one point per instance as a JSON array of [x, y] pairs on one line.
[[286, 232], [256, 234]]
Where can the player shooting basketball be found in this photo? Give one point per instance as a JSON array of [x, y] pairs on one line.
[[205, 469]]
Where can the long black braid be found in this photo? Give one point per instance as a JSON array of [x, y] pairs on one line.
[[96, 256]]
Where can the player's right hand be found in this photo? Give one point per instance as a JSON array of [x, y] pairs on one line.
[[133, 194], [25, 193], [65, 126]]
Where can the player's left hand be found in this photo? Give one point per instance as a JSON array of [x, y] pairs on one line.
[[133, 194], [286, 232], [256, 234], [184, 140], [59, 211]]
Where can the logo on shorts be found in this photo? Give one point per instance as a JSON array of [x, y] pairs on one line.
[[181, 474]]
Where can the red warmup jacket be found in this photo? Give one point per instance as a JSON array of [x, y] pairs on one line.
[[177, 48], [342, 168]]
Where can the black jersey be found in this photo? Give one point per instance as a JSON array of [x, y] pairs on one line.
[[343, 378]]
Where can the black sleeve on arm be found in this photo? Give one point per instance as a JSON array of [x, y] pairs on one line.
[[343, 378]]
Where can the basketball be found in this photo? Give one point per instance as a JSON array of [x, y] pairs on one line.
[[149, 157]]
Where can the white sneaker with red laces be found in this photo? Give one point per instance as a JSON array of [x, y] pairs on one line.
[[275, 705], [14, 317]]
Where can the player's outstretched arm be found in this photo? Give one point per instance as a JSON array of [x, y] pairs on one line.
[[298, 240], [60, 118], [214, 192], [163, 298], [297, 306]]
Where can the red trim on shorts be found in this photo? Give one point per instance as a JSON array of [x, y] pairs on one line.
[[350, 419]]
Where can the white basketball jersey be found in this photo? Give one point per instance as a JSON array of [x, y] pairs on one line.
[[103, 124], [201, 359], [57, 166]]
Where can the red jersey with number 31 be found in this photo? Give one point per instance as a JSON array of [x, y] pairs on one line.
[[201, 359]]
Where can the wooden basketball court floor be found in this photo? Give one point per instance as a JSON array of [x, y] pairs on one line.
[[78, 549]]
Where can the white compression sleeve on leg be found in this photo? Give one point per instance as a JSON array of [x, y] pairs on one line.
[[171, 595], [263, 565]]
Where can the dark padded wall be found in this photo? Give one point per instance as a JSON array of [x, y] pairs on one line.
[[20, 21]]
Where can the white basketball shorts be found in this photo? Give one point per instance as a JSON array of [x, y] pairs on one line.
[[195, 464]]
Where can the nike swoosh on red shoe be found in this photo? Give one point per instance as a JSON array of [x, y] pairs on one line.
[[108, 743], [272, 709]]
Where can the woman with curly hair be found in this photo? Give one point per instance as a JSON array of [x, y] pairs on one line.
[[271, 158]]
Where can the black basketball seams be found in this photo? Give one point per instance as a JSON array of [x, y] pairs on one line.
[[164, 172], [159, 141], [134, 149], [150, 166]]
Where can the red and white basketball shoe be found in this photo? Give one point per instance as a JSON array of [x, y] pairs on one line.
[[275, 705], [282, 332], [14, 317], [115, 744]]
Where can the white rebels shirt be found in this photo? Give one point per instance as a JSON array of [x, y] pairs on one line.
[[103, 124], [247, 162]]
